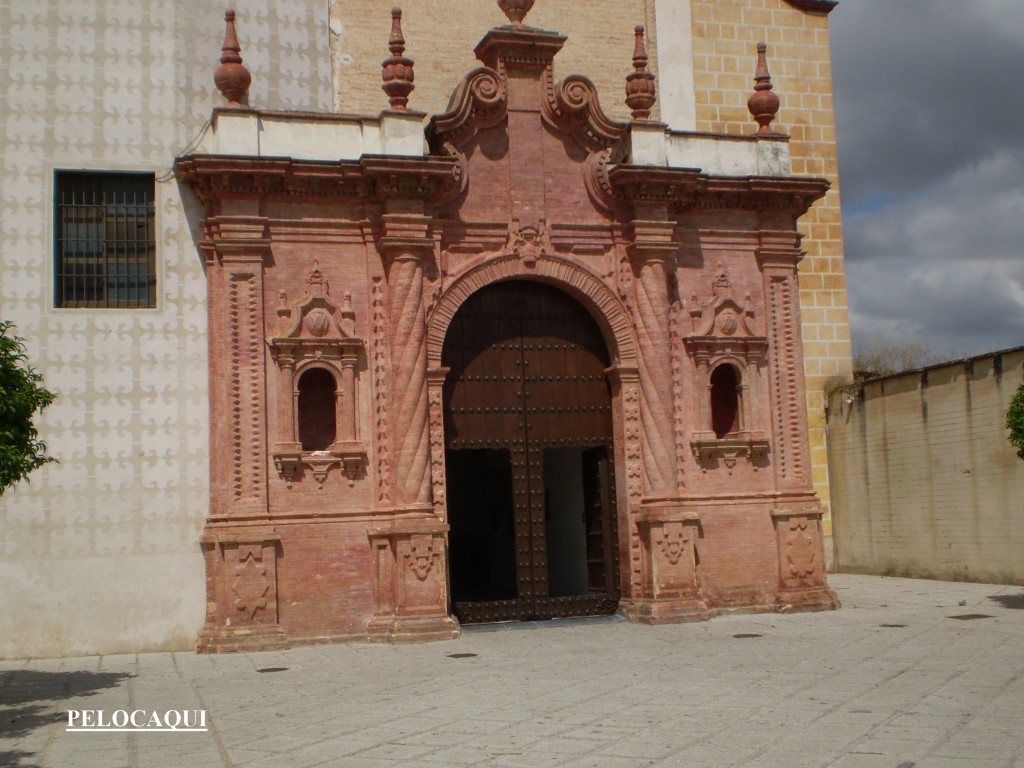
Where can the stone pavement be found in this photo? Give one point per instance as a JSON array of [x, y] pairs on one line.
[[899, 677]]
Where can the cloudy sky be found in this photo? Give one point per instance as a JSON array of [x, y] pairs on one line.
[[930, 109]]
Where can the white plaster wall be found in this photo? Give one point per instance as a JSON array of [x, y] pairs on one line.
[[100, 553], [676, 92]]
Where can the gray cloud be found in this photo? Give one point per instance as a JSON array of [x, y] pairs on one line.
[[931, 169]]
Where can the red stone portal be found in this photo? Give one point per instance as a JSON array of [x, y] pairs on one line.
[[623, 413]]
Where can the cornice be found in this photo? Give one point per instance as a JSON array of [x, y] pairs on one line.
[[793, 195], [685, 188], [372, 177]]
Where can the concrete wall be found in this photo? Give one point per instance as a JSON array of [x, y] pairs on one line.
[[100, 552], [924, 480]]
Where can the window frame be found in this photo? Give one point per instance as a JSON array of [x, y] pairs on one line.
[[98, 266]]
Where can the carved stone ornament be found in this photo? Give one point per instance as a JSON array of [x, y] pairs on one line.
[[251, 584], [316, 329], [748, 446], [802, 579], [722, 325], [801, 556], [529, 243]]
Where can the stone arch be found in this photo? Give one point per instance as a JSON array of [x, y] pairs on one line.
[[599, 300]]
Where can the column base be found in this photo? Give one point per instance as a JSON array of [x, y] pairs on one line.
[[666, 610], [412, 629], [251, 638], [814, 599]]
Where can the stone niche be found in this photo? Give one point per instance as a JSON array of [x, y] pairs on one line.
[[317, 356], [728, 356]]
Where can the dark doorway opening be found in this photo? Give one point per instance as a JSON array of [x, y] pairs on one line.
[[482, 539], [528, 458]]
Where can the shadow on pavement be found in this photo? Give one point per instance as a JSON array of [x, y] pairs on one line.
[[1009, 601], [30, 700]]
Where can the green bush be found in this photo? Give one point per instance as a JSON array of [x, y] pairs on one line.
[[21, 398], [1015, 421]]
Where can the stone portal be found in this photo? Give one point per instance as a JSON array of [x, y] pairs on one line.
[[535, 370]]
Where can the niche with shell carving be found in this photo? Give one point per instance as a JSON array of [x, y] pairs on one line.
[[317, 355], [727, 354]]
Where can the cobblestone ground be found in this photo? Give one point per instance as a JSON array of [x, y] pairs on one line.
[[907, 674]]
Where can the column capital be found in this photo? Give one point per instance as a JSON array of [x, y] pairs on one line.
[[437, 375], [406, 235], [653, 240], [779, 249], [239, 238], [623, 374]]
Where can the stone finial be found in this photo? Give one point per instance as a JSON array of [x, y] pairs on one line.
[[763, 104], [640, 92], [515, 10], [315, 280], [397, 68], [232, 78]]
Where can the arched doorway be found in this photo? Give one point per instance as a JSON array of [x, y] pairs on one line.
[[528, 439]]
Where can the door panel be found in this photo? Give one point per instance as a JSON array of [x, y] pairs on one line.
[[527, 380]]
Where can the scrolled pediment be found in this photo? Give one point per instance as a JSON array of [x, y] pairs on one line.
[[722, 325], [573, 108], [479, 102], [315, 319]]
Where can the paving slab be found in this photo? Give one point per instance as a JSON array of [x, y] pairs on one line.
[[903, 676]]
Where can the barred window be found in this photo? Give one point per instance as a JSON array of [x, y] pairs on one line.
[[105, 240]]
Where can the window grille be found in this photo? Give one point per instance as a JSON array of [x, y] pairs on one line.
[[105, 240]]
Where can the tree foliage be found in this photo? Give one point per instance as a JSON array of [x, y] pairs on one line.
[[22, 396], [886, 355], [1015, 421]]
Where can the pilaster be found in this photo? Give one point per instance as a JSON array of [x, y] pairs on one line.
[[649, 252], [406, 245], [238, 431], [778, 255]]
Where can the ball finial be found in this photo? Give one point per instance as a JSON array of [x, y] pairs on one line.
[[232, 78], [516, 10], [763, 104]]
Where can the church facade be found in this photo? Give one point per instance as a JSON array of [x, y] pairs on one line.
[[532, 356], [557, 374]]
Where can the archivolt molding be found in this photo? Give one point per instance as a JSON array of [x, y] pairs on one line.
[[604, 305]]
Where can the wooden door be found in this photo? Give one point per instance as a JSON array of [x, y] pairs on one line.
[[528, 432]]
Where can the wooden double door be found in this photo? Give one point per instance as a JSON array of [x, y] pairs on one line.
[[530, 483]]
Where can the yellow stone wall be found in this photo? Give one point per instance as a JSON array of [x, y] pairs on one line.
[[441, 34], [725, 37]]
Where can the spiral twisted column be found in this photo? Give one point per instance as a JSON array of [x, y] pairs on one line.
[[651, 248], [405, 246]]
